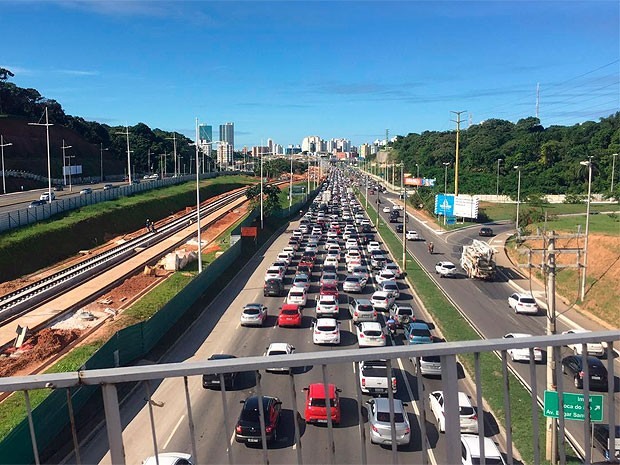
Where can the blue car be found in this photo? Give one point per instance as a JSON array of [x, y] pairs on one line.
[[418, 332]]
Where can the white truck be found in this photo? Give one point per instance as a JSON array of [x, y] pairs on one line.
[[477, 260], [374, 377]]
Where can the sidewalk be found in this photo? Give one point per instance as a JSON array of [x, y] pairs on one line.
[[569, 314]]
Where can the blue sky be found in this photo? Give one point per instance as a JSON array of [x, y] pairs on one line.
[[288, 69]]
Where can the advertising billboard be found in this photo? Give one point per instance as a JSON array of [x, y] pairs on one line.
[[424, 182], [457, 206]]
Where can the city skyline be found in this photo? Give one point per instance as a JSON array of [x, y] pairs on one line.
[[279, 76]]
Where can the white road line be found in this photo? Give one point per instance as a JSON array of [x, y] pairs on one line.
[[174, 430], [232, 439]]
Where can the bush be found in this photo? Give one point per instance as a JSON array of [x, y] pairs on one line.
[[574, 198]]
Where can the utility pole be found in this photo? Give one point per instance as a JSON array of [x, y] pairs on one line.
[[126, 133], [613, 169], [101, 150], [585, 248], [402, 189], [456, 164], [549, 267], [49, 164], [2, 145], [174, 148]]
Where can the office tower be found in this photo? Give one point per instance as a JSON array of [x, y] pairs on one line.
[[227, 134]]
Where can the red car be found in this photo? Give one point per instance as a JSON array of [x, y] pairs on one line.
[[329, 289], [290, 315], [306, 263], [316, 407]]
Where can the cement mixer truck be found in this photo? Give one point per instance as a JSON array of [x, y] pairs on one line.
[[477, 260]]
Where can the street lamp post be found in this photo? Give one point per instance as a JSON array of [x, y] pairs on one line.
[[174, 148], [198, 203], [101, 151], [417, 170], [2, 145], [497, 185], [262, 181], [290, 188], [587, 163], [613, 169], [49, 164], [402, 189], [126, 134], [64, 176], [518, 196]]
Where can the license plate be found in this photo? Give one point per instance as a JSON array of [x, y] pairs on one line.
[[253, 439], [322, 421], [598, 378]]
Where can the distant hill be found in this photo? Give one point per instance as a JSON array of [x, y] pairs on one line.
[[19, 106]]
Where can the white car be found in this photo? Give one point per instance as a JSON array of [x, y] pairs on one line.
[[445, 269], [370, 334], [523, 303], [373, 245], [523, 354], [470, 451], [297, 296], [360, 270], [468, 416], [169, 458], [46, 196], [331, 260], [278, 348], [302, 280], [274, 272], [384, 275], [284, 257], [394, 268], [386, 210], [312, 248], [390, 286], [596, 349], [327, 305], [353, 254], [353, 264], [382, 301], [350, 244], [326, 331], [412, 236]]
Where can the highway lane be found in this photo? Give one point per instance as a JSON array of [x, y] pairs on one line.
[[485, 302], [227, 337]]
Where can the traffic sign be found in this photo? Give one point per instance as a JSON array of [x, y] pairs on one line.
[[574, 408], [450, 219]]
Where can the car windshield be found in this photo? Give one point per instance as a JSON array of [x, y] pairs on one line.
[[277, 352], [324, 327], [527, 300], [385, 417], [372, 332], [297, 294], [290, 312], [405, 311], [379, 297], [449, 266], [249, 415], [466, 411], [365, 308], [251, 311], [352, 279], [421, 332]]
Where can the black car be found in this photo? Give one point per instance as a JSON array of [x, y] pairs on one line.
[[36, 203], [213, 380], [273, 288], [248, 426], [399, 228], [485, 231], [572, 365]]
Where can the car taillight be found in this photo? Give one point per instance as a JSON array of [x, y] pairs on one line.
[[238, 429], [374, 313], [393, 384], [408, 430], [581, 374], [317, 332], [374, 428], [355, 314], [361, 334], [363, 381], [473, 417], [382, 336], [268, 429]]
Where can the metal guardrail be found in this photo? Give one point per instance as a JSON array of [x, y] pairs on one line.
[[108, 379], [21, 300]]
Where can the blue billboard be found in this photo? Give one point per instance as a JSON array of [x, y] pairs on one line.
[[444, 204]]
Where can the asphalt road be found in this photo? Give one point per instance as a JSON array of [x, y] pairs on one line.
[[227, 336]]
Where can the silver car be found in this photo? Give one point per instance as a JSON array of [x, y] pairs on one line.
[[353, 283], [379, 421], [253, 315]]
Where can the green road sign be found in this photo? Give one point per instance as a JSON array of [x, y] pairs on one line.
[[573, 406]]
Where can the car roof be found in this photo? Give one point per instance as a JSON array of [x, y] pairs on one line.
[[370, 325], [419, 325], [167, 458], [471, 441], [518, 335], [363, 302], [523, 294], [382, 404], [380, 294], [278, 346], [290, 307], [318, 390], [253, 305], [221, 356], [327, 321], [442, 263]]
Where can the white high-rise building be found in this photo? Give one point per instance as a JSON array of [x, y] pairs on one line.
[[311, 144]]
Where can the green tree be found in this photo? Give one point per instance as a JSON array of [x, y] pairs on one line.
[[271, 198]]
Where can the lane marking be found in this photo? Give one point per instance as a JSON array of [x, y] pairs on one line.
[[174, 430]]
